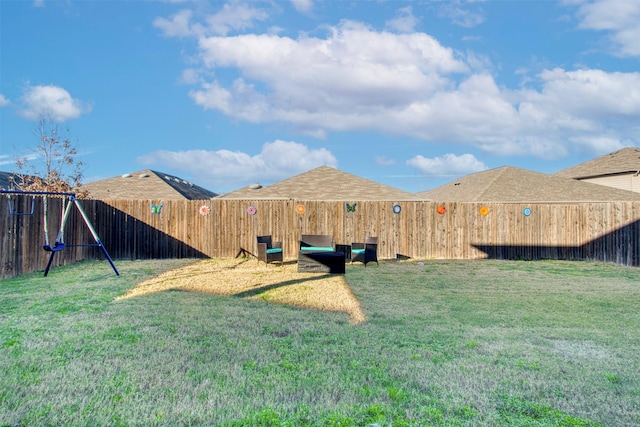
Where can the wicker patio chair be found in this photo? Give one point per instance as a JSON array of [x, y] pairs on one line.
[[268, 250], [365, 252]]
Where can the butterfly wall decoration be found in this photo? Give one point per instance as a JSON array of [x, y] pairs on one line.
[[156, 209], [351, 208]]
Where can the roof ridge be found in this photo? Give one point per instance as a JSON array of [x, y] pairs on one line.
[[622, 161], [324, 183], [500, 171]]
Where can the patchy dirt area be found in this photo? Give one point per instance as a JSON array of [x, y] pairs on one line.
[[281, 284]]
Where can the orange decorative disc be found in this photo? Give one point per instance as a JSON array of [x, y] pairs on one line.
[[484, 211], [300, 209], [204, 210], [441, 209]]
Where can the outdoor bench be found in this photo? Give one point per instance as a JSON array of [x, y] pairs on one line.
[[317, 254]]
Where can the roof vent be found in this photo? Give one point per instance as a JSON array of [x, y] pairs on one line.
[[144, 175], [255, 186], [126, 175]]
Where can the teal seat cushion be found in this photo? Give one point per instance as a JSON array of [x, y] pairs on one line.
[[317, 248], [357, 251], [274, 250]]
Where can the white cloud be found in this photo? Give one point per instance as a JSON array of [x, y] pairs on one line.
[[233, 16], [178, 26], [591, 109], [6, 160], [601, 143], [449, 164], [384, 161], [350, 80], [4, 101], [190, 76], [461, 13], [276, 161], [618, 17], [11, 160], [52, 102], [590, 93], [303, 6], [356, 78], [405, 21]]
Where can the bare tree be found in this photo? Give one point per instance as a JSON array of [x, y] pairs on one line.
[[58, 169]]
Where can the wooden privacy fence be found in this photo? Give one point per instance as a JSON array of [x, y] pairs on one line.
[[141, 229], [22, 234]]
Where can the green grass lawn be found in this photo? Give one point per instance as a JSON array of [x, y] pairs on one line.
[[445, 343]]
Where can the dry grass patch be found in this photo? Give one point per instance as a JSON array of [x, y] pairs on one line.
[[250, 279]]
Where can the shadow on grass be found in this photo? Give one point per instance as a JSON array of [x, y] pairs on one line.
[[266, 288], [280, 284]]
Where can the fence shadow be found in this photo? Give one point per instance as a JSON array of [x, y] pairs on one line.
[[621, 246], [132, 238]]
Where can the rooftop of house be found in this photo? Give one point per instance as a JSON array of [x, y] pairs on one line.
[[622, 161], [322, 183], [509, 184], [147, 185]]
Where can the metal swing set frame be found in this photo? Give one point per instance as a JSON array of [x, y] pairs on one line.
[[59, 243]]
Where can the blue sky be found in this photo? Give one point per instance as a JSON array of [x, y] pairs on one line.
[[411, 94]]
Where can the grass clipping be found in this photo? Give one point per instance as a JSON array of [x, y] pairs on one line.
[[247, 278]]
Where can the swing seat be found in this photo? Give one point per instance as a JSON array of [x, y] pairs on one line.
[[58, 246]]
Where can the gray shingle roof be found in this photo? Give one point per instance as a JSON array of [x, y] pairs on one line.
[[510, 184], [622, 161], [147, 185], [7, 184], [323, 183]]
